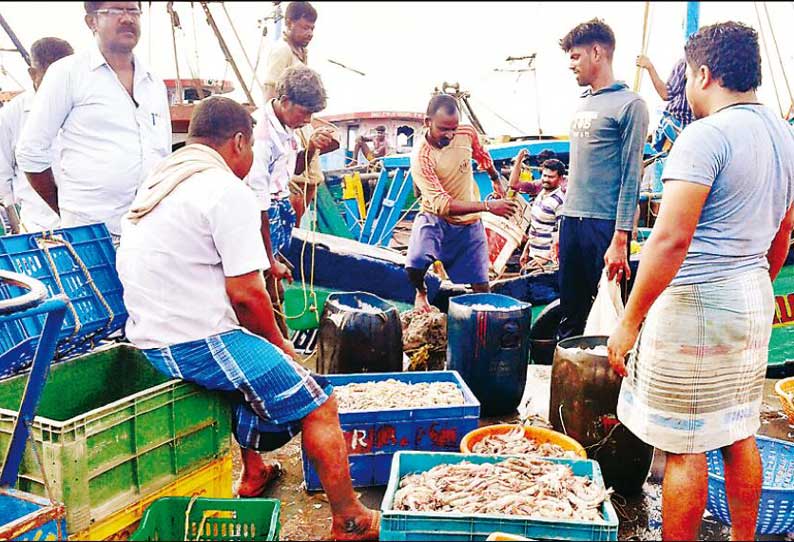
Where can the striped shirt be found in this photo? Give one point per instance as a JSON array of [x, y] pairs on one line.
[[545, 221], [677, 104], [443, 175]]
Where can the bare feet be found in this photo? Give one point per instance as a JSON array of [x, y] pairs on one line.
[[362, 527], [256, 475], [421, 304]]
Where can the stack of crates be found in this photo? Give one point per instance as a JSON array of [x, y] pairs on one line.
[[113, 433]]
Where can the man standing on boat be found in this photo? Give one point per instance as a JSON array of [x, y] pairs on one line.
[[113, 118], [276, 157], [448, 228], [299, 21], [703, 294], [607, 137], [677, 115], [35, 214], [191, 241]]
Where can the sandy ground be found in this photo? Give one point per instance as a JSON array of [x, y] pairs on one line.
[[306, 516]]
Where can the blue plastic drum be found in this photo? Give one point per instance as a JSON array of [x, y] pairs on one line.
[[489, 346]]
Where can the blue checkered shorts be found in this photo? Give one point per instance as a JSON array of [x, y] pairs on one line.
[[282, 219], [273, 393]]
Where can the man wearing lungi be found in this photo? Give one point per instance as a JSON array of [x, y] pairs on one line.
[[703, 294], [191, 262], [449, 228], [607, 137]]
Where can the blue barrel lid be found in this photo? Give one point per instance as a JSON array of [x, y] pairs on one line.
[[485, 302]]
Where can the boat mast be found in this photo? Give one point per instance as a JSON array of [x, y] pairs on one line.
[[15, 40], [226, 52]]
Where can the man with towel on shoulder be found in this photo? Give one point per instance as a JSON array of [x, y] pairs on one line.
[[191, 262]]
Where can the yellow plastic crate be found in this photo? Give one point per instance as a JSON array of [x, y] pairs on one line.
[[212, 480]]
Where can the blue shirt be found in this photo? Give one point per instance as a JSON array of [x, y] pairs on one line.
[[745, 154], [607, 138]]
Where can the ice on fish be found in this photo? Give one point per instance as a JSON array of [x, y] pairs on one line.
[[392, 394], [600, 350], [519, 486], [367, 308], [517, 442]]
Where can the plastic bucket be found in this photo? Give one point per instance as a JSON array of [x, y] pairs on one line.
[[488, 344], [504, 237], [303, 312], [538, 434]]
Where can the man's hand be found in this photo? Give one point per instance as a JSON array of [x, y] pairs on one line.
[[623, 339], [503, 207], [644, 62], [498, 188], [321, 140], [522, 154], [524, 259], [616, 257], [280, 271]]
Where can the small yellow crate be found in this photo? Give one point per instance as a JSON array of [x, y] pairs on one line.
[[212, 480]]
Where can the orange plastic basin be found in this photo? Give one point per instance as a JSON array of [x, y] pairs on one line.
[[505, 536], [537, 434]]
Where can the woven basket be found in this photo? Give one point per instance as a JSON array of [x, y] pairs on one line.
[[785, 392]]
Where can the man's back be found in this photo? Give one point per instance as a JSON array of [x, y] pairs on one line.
[[606, 140], [745, 153], [174, 261], [110, 140]]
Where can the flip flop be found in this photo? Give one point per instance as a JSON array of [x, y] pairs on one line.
[[355, 532], [275, 473]]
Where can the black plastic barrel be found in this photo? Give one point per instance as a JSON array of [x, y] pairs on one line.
[[584, 399], [488, 344], [359, 333]]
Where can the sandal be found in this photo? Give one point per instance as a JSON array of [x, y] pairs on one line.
[[275, 471]]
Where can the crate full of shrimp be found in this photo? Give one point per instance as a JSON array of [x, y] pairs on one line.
[[446, 496], [383, 413]]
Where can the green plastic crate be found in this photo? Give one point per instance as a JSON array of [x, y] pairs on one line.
[[111, 429], [226, 519]]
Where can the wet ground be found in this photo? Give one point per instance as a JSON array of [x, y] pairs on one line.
[[306, 516]]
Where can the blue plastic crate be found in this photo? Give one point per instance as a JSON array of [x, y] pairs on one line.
[[24, 254], [373, 436], [398, 525], [776, 508]]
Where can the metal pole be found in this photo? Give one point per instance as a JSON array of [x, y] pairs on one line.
[[692, 19], [15, 40], [174, 23], [226, 52]]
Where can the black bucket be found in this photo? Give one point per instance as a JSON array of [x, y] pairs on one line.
[[584, 399], [359, 333]]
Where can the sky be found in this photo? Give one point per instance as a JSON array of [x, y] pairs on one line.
[[406, 49]]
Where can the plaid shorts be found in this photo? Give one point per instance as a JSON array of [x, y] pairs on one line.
[[282, 219], [273, 393]]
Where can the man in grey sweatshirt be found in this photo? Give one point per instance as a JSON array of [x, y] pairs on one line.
[[607, 138]]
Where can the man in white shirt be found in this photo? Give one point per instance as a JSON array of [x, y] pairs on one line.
[[35, 214], [192, 239], [114, 123], [276, 158]]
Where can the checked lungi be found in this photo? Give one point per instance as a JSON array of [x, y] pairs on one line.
[[273, 393], [696, 383]]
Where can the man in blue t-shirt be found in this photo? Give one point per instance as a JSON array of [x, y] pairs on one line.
[[703, 294], [606, 142]]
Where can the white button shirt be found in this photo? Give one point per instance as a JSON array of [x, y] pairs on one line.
[[275, 154], [35, 214], [109, 142]]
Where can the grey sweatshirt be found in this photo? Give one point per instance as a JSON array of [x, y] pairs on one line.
[[607, 139]]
